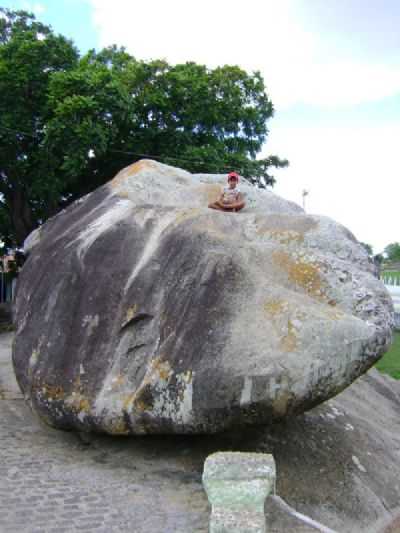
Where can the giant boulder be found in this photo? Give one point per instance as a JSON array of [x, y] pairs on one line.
[[139, 310]]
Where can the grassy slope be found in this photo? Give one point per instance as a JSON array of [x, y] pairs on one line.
[[390, 362]]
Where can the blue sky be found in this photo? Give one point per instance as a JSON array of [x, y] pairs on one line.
[[72, 18], [332, 68]]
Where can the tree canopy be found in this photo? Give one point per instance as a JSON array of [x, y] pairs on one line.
[[368, 248], [392, 251], [69, 123]]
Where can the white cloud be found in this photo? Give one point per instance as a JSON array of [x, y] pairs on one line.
[[36, 8], [260, 35], [353, 175]]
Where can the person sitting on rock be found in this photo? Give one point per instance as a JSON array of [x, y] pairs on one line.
[[231, 198]]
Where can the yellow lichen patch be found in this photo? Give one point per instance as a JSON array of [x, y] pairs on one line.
[[280, 403], [118, 381], [137, 167], [134, 401], [141, 405], [163, 369], [301, 273], [34, 358], [187, 376], [123, 194], [118, 427], [141, 400], [84, 405], [52, 391], [78, 402], [143, 164], [275, 307], [130, 313], [157, 370], [128, 401], [282, 236], [289, 341]]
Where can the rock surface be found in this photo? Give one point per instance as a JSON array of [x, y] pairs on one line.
[[141, 311]]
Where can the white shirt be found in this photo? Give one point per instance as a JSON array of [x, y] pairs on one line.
[[231, 195]]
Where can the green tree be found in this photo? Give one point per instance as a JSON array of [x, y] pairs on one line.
[[68, 124], [29, 54], [368, 248], [392, 251]]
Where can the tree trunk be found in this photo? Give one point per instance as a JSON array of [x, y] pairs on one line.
[[20, 213]]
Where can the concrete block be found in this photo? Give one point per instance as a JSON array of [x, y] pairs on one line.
[[237, 485]]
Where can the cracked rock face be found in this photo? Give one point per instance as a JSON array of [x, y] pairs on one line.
[[140, 310]]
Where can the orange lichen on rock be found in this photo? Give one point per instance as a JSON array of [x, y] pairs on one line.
[[130, 313], [302, 274], [137, 167], [118, 381], [79, 403], [118, 427], [280, 404], [139, 400], [282, 236], [52, 391], [275, 307], [128, 401], [163, 368], [289, 341]]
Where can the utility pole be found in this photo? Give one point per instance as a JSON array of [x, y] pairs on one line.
[[304, 194]]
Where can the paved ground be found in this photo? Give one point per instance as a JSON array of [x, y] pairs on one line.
[[50, 481], [338, 464]]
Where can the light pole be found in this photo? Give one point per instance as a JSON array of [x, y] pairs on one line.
[[304, 194]]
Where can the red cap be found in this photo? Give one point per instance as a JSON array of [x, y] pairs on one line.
[[233, 176]]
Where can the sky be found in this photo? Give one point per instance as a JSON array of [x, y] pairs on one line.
[[332, 70]]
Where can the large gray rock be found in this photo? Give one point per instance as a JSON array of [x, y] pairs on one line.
[[140, 310]]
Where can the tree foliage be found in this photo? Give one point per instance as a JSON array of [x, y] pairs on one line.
[[29, 55], [69, 123], [368, 248], [392, 251]]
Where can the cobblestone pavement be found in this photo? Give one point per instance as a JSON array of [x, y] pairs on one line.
[[51, 481]]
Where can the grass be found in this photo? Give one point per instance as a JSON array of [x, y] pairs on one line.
[[390, 362], [386, 274]]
